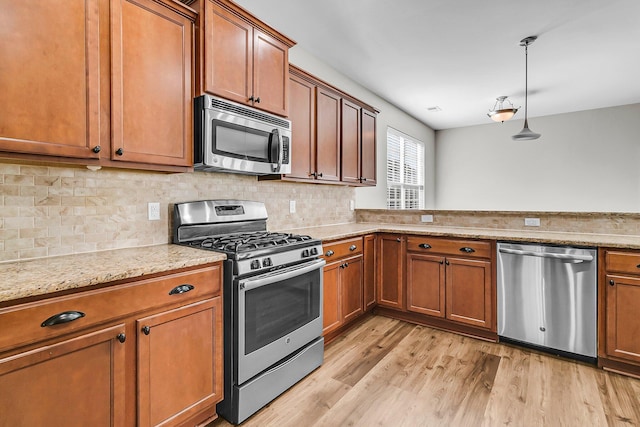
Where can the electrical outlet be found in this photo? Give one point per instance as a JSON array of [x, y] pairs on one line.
[[292, 206], [154, 211], [426, 218], [352, 205], [532, 222]]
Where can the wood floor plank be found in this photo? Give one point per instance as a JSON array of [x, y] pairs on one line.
[[385, 372]]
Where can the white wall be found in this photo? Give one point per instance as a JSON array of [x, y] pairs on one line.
[[375, 198], [587, 161]]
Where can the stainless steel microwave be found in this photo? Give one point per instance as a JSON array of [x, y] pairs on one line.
[[232, 137]]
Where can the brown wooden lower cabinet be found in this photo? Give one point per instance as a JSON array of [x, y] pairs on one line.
[[137, 354], [442, 282], [390, 257], [343, 285], [369, 271], [77, 381], [619, 300]]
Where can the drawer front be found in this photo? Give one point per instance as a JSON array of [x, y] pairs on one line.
[[22, 324], [457, 247], [342, 248], [623, 262]]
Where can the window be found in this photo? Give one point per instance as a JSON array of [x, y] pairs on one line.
[[405, 171]]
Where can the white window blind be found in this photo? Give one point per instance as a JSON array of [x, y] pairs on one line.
[[405, 171]]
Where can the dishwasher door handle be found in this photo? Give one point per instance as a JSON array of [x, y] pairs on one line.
[[566, 257]]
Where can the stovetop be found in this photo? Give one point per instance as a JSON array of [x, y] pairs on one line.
[[245, 242]]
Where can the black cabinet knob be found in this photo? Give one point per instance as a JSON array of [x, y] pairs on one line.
[[251, 98], [121, 337], [146, 330], [398, 239], [258, 100], [441, 261], [424, 246], [96, 149], [119, 151], [446, 262], [611, 282]]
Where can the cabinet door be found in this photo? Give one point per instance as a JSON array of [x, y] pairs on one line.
[[390, 271], [179, 363], [151, 110], [369, 274], [50, 87], [351, 288], [270, 74], [79, 381], [368, 153], [228, 54], [426, 284], [468, 290], [327, 135], [623, 322], [350, 142], [302, 98], [332, 310]]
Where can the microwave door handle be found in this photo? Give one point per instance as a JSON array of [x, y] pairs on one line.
[[275, 135]]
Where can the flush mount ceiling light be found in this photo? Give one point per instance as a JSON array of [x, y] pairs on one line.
[[526, 133], [499, 112]]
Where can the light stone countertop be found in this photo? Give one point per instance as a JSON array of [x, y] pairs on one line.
[[341, 231], [22, 279]]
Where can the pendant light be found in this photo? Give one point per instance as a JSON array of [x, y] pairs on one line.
[[526, 134], [499, 112]]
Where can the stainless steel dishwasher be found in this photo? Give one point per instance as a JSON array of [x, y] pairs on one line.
[[547, 298]]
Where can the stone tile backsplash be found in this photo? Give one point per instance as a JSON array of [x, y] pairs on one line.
[[577, 222], [58, 210]]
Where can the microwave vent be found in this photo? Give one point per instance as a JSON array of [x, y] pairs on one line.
[[250, 113]]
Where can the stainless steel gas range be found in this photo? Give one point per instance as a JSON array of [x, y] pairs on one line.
[[272, 297]]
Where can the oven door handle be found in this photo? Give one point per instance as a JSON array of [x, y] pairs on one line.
[[277, 276]]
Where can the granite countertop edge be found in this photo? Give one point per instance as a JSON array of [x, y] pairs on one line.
[[342, 231], [43, 276]]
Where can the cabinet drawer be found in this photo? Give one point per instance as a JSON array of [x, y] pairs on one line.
[[458, 247], [22, 324], [623, 262], [342, 248]]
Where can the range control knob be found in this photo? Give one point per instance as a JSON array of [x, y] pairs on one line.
[[255, 264], [267, 262], [305, 253], [314, 251]]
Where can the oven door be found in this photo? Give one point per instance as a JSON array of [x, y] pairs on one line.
[[278, 313]]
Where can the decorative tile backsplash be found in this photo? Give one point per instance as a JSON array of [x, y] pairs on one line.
[[51, 210]]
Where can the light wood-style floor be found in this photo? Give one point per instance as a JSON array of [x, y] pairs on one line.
[[387, 372]]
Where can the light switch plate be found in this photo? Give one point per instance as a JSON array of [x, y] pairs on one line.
[[532, 222], [292, 206], [352, 205], [154, 211], [426, 218]]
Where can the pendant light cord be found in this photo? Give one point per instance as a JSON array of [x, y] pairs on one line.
[[526, 79]]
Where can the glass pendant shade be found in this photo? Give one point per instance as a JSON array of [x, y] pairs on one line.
[[500, 112]]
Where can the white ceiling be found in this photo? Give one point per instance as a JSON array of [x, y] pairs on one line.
[[461, 54]]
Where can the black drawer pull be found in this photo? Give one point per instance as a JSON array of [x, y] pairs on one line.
[[467, 250], [446, 262], [64, 317], [353, 248], [611, 282], [146, 330], [424, 246], [181, 289], [398, 239], [638, 266], [329, 253], [121, 337]]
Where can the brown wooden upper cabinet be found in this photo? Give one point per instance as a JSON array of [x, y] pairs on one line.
[[333, 134], [98, 82], [243, 59]]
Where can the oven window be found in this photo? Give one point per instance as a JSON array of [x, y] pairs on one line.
[[240, 142], [275, 310]]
